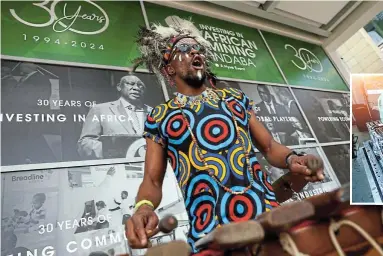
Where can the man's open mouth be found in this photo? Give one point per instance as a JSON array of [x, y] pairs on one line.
[[197, 62]]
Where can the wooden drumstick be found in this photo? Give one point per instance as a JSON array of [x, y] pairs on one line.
[[314, 164], [166, 225]]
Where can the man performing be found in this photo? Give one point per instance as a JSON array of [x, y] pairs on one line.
[[125, 116], [207, 136]]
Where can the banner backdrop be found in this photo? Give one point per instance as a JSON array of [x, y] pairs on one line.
[[328, 184], [304, 64], [327, 112], [78, 211], [339, 158], [275, 108], [73, 114], [92, 32], [239, 51]]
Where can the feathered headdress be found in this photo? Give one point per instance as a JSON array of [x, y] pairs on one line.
[[156, 45]]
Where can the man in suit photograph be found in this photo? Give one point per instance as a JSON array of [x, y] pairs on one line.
[[23, 86], [125, 116], [268, 106], [278, 136], [299, 136], [32, 86], [288, 103]]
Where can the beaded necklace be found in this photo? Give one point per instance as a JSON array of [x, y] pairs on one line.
[[213, 95]]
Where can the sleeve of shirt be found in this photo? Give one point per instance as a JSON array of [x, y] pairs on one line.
[[249, 103], [152, 131], [240, 95]]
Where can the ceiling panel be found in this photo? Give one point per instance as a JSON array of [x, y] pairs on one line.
[[316, 17], [321, 12]]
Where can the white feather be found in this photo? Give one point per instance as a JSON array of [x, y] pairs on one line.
[[164, 32]]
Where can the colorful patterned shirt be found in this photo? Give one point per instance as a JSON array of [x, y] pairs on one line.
[[207, 203]]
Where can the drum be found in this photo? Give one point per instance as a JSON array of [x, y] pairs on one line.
[[325, 224], [357, 230]]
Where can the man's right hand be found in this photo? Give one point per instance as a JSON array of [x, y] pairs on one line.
[[139, 226]]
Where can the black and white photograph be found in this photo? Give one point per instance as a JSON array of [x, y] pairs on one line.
[[67, 208], [327, 112], [135, 170], [73, 114], [328, 184], [275, 107], [339, 158], [30, 207]]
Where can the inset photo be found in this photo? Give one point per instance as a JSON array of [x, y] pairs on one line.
[[367, 138]]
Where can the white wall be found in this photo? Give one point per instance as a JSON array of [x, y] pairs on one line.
[[361, 55]]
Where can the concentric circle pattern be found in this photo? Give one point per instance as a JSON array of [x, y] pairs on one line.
[[194, 157], [219, 165], [175, 127], [235, 93], [159, 112], [222, 93], [202, 212], [184, 170], [198, 109], [239, 111], [212, 104], [237, 160], [172, 104], [174, 161], [263, 181], [215, 132], [201, 197], [246, 138], [151, 123], [201, 183], [235, 208]]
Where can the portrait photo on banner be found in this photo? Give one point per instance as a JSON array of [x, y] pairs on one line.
[[72, 113], [327, 112], [66, 209], [276, 108], [339, 158], [29, 202]]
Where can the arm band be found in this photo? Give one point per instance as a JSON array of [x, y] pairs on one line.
[[288, 157], [141, 203]]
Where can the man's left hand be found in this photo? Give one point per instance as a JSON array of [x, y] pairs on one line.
[[309, 165]]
